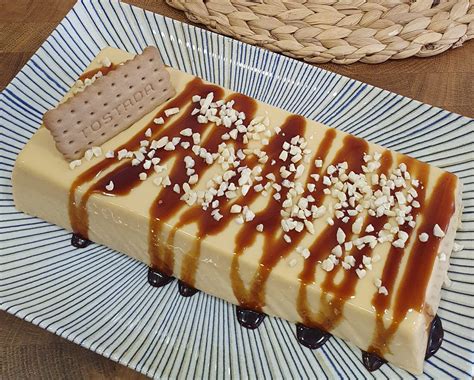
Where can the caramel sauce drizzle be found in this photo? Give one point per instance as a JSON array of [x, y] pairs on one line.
[[334, 296], [274, 248], [352, 152], [206, 224], [410, 295], [391, 268], [413, 285], [168, 203]]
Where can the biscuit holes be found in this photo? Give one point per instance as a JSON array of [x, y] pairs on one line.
[[72, 111], [71, 142], [118, 95], [99, 93], [140, 107], [165, 90], [128, 116], [86, 102], [151, 60], [65, 131], [78, 122], [92, 113], [153, 98], [143, 78], [58, 121], [115, 125], [76, 152], [138, 67], [113, 84], [125, 76], [160, 80], [89, 143], [102, 134], [155, 70], [106, 104], [130, 87]]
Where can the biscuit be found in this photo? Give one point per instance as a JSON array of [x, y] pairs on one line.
[[110, 105]]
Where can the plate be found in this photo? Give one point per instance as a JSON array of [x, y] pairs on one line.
[[100, 299]]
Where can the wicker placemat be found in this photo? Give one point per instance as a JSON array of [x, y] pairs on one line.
[[344, 31]]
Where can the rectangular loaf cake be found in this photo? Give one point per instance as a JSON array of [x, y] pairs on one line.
[[265, 209]]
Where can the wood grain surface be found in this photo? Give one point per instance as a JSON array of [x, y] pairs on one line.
[[26, 351]]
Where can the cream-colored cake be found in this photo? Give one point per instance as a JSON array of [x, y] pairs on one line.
[[383, 303]]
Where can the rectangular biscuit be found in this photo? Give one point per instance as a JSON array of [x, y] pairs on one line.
[[109, 105]]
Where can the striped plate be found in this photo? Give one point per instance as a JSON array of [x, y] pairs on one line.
[[100, 299]]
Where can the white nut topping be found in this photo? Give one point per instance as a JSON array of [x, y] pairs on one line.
[[88, 154], [305, 253], [235, 209], [74, 164], [169, 146], [171, 111], [109, 186], [361, 273], [97, 151], [438, 232], [383, 290], [186, 132], [357, 226], [423, 237], [340, 236], [327, 265], [337, 251]]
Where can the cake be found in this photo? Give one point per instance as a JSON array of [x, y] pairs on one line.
[[275, 213]]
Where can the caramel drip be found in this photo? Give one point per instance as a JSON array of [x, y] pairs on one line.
[[275, 248], [411, 293], [439, 210], [254, 297], [168, 203], [352, 152], [392, 265], [206, 224], [334, 296], [125, 176], [104, 70]]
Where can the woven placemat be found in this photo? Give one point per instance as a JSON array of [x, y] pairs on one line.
[[344, 31]]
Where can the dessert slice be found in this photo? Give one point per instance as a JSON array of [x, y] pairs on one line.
[[273, 212]]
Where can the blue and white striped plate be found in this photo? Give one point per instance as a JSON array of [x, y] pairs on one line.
[[101, 300]]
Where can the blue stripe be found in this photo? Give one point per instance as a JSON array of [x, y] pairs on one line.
[[50, 78]]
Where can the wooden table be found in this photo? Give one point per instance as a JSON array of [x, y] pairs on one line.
[[29, 352]]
